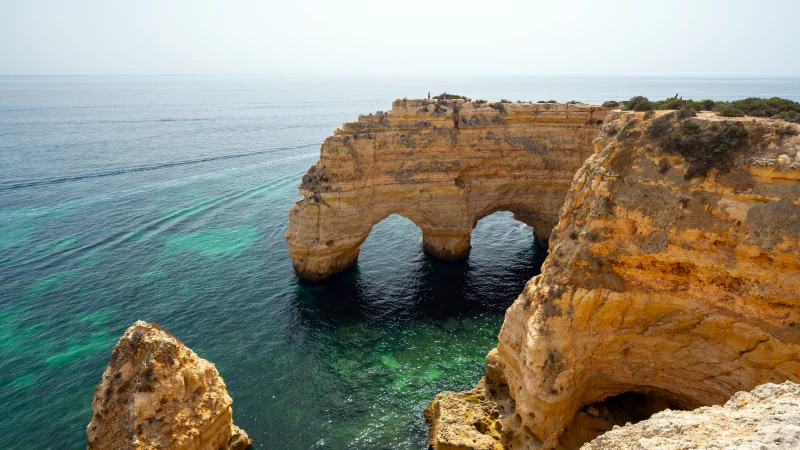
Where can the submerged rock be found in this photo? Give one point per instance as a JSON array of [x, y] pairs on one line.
[[766, 418], [156, 393]]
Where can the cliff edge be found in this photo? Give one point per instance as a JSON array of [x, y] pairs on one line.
[[158, 394], [671, 283]]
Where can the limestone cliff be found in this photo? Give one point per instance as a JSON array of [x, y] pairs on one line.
[[442, 164], [766, 418], [671, 282], [158, 394]]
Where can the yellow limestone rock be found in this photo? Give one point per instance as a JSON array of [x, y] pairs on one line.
[[766, 418], [158, 394], [661, 289], [442, 164]]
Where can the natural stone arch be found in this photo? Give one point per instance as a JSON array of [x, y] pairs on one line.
[[414, 162]]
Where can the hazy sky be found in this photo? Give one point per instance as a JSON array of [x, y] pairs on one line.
[[464, 37]]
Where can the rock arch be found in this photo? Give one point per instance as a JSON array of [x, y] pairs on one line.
[[442, 164]]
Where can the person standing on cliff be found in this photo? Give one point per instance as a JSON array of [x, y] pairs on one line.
[[429, 96]]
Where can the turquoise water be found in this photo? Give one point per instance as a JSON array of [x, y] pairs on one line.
[[166, 199]]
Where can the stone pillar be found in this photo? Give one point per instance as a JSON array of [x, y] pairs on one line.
[[325, 237], [542, 235], [320, 261]]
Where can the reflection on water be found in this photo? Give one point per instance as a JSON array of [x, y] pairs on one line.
[[402, 326]]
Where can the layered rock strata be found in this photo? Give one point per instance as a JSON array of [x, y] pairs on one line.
[[768, 417], [158, 394], [442, 164], [671, 282]]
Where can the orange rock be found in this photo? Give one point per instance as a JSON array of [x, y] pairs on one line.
[[682, 290], [414, 161], [156, 394]]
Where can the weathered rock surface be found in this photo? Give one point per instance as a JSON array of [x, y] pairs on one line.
[[158, 394], [766, 418], [442, 164], [659, 291]]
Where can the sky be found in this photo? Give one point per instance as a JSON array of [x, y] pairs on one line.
[[736, 38]]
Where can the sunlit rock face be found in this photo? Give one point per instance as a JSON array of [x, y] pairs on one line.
[[158, 394], [443, 164], [671, 275]]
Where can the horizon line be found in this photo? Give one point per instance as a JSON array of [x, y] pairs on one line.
[[411, 75]]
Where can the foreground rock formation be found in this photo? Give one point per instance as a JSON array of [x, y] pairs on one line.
[[767, 417], [442, 164], [671, 282], [158, 394]]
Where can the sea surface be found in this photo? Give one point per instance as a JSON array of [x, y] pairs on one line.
[[166, 199]]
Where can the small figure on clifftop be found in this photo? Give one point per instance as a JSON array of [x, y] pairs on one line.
[[429, 95]]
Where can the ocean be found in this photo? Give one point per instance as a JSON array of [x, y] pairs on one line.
[[166, 199]]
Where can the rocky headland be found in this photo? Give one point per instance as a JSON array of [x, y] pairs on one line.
[[158, 394], [671, 283], [444, 165]]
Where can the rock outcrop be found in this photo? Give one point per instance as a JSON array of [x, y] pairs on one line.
[[158, 394], [442, 164], [766, 418], [671, 282]]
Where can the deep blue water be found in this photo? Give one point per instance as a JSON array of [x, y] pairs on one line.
[[166, 199]]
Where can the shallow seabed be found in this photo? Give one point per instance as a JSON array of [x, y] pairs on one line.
[[166, 199]]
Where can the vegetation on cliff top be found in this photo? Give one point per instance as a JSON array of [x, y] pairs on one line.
[[444, 96], [780, 108], [705, 147]]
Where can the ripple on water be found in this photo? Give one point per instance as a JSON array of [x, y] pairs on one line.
[[199, 249], [225, 241]]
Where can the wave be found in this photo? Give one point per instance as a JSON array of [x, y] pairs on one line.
[[143, 168], [148, 229]]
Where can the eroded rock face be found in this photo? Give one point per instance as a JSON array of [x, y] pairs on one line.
[[158, 394], [684, 291], [442, 164], [766, 418]]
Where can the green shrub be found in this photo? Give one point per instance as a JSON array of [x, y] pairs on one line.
[[639, 103], [753, 106], [707, 104], [481, 102], [449, 97], [625, 131], [499, 106], [730, 112], [705, 149], [505, 100], [610, 104], [789, 116], [686, 112], [762, 107], [696, 106], [660, 126], [670, 103], [551, 101]]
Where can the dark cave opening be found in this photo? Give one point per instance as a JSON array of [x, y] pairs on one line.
[[597, 418]]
